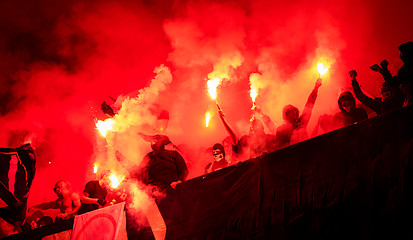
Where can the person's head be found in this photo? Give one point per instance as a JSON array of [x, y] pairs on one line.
[[158, 142], [290, 114], [346, 102], [218, 152], [62, 188], [406, 52]]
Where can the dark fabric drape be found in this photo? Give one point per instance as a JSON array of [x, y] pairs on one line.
[[355, 181]]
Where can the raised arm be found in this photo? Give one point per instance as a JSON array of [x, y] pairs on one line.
[[384, 71], [228, 128], [310, 103], [369, 102]]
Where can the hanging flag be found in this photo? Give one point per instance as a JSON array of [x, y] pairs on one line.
[[17, 169], [104, 223]]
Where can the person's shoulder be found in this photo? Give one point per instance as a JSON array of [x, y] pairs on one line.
[[75, 195]]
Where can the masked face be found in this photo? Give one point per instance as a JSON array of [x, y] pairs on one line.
[[218, 155]]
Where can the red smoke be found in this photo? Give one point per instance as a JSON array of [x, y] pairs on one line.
[[60, 61]]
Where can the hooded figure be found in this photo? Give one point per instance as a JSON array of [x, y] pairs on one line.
[[218, 151], [162, 168], [349, 113], [404, 76], [294, 128]]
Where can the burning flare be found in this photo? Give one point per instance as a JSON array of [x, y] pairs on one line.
[[207, 118], [115, 180], [95, 168], [212, 87], [253, 93], [255, 85], [321, 69], [105, 126]]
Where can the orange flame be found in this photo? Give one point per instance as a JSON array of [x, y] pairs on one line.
[[321, 69], [105, 126], [115, 180], [95, 168], [212, 87], [255, 85], [253, 93], [207, 118]]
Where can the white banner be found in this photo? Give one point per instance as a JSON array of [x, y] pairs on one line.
[[102, 224]]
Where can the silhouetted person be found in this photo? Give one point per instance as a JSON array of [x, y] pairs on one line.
[[163, 168], [220, 161], [94, 194], [231, 146], [392, 97], [349, 113], [68, 202], [294, 128], [404, 77], [259, 141]]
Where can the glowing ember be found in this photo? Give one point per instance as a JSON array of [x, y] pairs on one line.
[[212, 87], [114, 180], [105, 126], [321, 69], [95, 168], [207, 118]]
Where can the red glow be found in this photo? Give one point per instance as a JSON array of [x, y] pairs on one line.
[[61, 61]]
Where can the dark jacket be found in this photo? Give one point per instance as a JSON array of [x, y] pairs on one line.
[[344, 118], [394, 102]]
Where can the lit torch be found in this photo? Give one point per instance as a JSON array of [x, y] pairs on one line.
[[321, 69], [105, 126], [207, 118], [255, 84], [253, 94], [115, 180], [212, 88]]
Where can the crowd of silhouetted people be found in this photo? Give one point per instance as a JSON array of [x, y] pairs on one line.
[[166, 168]]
